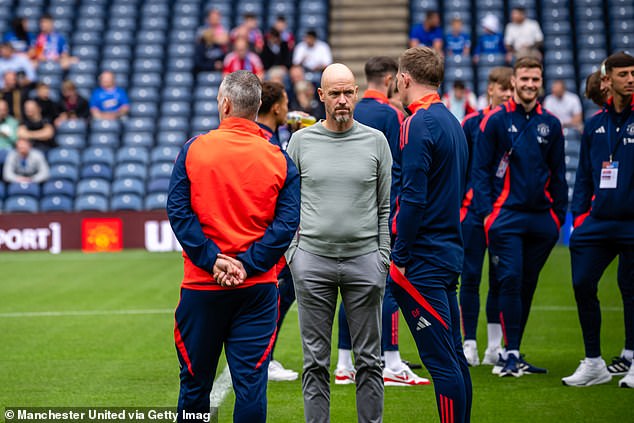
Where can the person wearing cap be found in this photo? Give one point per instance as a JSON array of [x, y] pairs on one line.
[[491, 41], [603, 221]]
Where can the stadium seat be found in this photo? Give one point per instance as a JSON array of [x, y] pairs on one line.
[[131, 154], [205, 108], [175, 108], [128, 186], [176, 94], [104, 139], [182, 64], [147, 80], [184, 22], [179, 79], [105, 125], [49, 68], [126, 202], [56, 203], [148, 65], [122, 23], [158, 185], [150, 36], [3, 191], [91, 203], [99, 155], [119, 36], [143, 139], [123, 10], [155, 9], [130, 170], [184, 36], [161, 170], [206, 93], [64, 171], [175, 138], [143, 93], [156, 201], [72, 126], [96, 171], [144, 109], [93, 186], [58, 187], [149, 51], [62, 155], [25, 189], [174, 123], [21, 204], [164, 154], [209, 79]]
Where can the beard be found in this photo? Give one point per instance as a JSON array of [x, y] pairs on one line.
[[342, 118]]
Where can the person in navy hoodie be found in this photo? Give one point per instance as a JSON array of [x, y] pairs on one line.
[[520, 190], [603, 212]]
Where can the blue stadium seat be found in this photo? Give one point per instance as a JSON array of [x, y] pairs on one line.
[[90, 24], [206, 93], [72, 126], [105, 125], [118, 66], [104, 139], [123, 10], [155, 9], [49, 68], [182, 64], [21, 204], [133, 155], [91, 203], [130, 170], [86, 38], [203, 124], [147, 80], [205, 108], [119, 36], [122, 23], [161, 170], [61, 11], [143, 139], [156, 201], [93, 186], [164, 154], [175, 108], [158, 185], [56, 203], [62, 155], [94, 10], [96, 171], [126, 202], [99, 155], [175, 123], [117, 51], [58, 187], [128, 186], [64, 171], [184, 36], [150, 36], [209, 79], [148, 65], [563, 57], [23, 189], [150, 51], [144, 109], [3, 191], [179, 79], [139, 125], [175, 138], [176, 94], [184, 22], [143, 94]]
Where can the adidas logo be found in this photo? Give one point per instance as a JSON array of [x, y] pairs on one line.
[[600, 130], [512, 128], [422, 323]]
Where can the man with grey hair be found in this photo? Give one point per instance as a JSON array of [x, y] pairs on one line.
[[343, 244], [233, 204]]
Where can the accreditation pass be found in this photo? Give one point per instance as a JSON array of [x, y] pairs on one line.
[[609, 175]]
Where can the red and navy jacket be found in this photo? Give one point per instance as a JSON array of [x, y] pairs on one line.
[[375, 111], [471, 128], [434, 157], [535, 177], [233, 192], [270, 134], [606, 133]]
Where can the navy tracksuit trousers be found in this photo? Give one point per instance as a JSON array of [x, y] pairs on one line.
[[593, 246], [287, 297], [427, 297], [519, 245], [243, 321]]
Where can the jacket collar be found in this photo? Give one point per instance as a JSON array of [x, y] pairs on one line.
[[424, 102]]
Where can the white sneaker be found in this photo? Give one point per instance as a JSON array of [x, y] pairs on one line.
[[470, 349], [404, 377], [278, 373], [588, 374], [344, 376], [491, 356], [628, 380]]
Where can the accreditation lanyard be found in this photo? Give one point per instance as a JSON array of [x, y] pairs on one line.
[[515, 139], [618, 132]]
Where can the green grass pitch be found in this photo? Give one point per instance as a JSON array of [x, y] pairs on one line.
[[106, 340]]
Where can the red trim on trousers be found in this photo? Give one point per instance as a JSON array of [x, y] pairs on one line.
[[503, 329], [181, 348]]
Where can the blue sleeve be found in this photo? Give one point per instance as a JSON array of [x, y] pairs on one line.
[[482, 170], [94, 102], [416, 161], [584, 186], [201, 250], [414, 33], [63, 45], [502, 47], [469, 132], [263, 254], [558, 186], [123, 97]]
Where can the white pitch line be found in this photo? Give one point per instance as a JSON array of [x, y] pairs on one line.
[[85, 313], [222, 386]]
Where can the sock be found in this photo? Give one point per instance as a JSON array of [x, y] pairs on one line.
[[627, 354], [494, 335], [505, 354], [595, 361], [393, 361], [345, 360], [516, 353], [471, 342]]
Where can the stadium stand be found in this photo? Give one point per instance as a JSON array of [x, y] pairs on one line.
[[149, 44]]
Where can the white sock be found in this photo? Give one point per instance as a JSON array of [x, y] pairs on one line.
[[628, 354], [505, 354], [595, 361], [345, 360], [393, 361], [471, 342], [516, 353], [494, 335]]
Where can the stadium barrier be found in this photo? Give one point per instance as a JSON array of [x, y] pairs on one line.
[[87, 231]]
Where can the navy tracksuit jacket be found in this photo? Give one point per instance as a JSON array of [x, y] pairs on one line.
[[520, 187], [604, 221]]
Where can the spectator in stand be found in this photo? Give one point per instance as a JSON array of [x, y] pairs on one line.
[[25, 164], [19, 37], [312, 53], [304, 100], [275, 51], [429, 33], [457, 41], [108, 101], [35, 128], [50, 109], [210, 51], [8, 127], [278, 74], [522, 36], [15, 91], [214, 23], [565, 105], [282, 27], [51, 45], [249, 30], [241, 58], [10, 61], [72, 105], [459, 100], [492, 41]]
